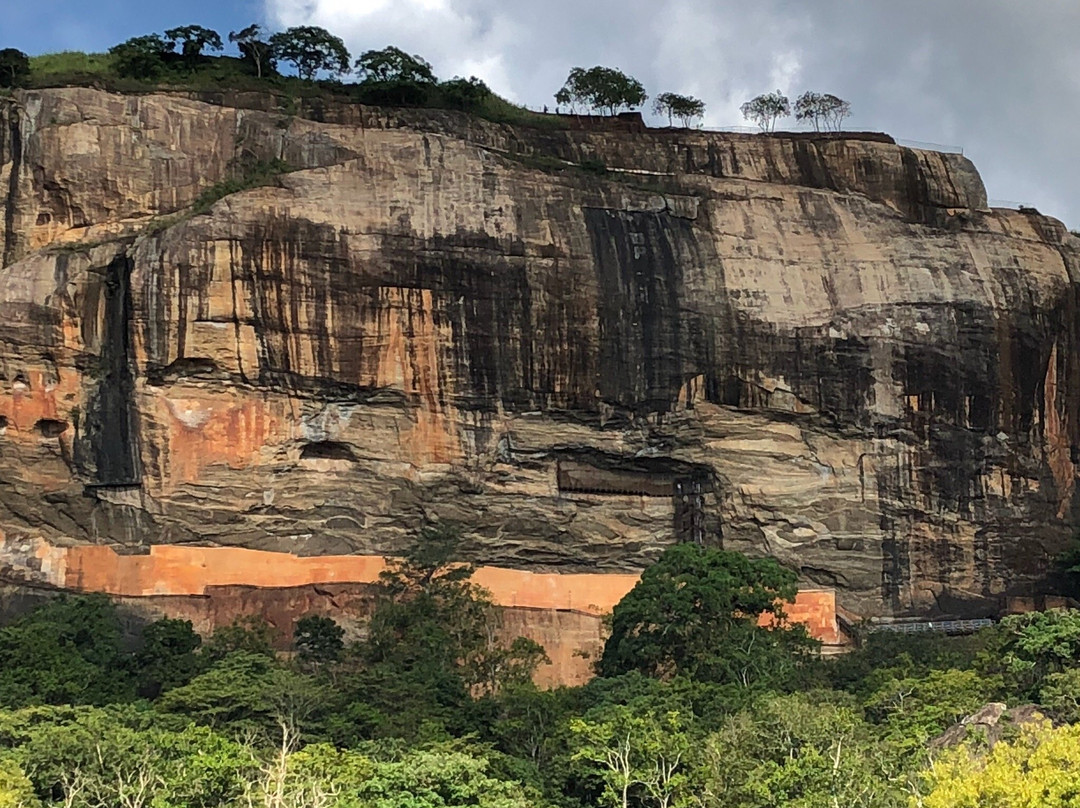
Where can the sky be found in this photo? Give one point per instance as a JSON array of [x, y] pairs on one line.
[[999, 78]]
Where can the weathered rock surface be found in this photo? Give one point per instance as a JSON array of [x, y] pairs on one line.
[[825, 349], [991, 723]]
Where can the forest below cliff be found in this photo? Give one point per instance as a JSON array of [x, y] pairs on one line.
[[694, 704]]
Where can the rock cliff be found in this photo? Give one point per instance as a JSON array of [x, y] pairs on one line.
[[824, 348]]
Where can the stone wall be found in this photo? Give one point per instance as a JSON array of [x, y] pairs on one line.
[[213, 586]]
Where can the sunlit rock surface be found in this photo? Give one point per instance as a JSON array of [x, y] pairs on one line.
[[824, 349]]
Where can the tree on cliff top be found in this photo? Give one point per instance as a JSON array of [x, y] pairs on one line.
[[765, 110], [391, 76], [824, 111], [14, 67], [683, 107], [393, 64], [601, 88], [141, 57], [311, 49], [255, 48], [464, 94], [193, 40], [695, 612]]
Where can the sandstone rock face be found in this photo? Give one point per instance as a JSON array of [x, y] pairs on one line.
[[825, 349]]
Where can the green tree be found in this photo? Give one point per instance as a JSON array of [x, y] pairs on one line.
[[915, 710], [311, 49], [464, 94], [255, 48], [394, 65], [636, 755], [439, 778], [141, 57], [1037, 645], [167, 658], [808, 107], [67, 651], [429, 609], [16, 790], [193, 40], [1060, 694], [601, 88], [886, 655], [695, 612], [795, 751], [765, 110], [90, 758], [14, 67], [318, 639], [233, 693], [250, 633], [824, 111], [434, 642], [684, 107], [529, 721]]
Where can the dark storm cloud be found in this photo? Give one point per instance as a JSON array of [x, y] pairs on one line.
[[999, 77]]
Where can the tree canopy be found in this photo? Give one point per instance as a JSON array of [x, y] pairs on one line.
[[193, 40], [602, 88], [695, 612], [431, 705], [826, 112], [14, 67], [683, 107], [393, 64], [141, 57], [1038, 769], [464, 94], [254, 45], [765, 110], [311, 50], [391, 76]]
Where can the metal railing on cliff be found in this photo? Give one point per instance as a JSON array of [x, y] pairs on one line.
[[943, 626], [624, 121]]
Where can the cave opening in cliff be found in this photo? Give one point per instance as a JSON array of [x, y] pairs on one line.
[[327, 450], [585, 478], [51, 427], [684, 485]]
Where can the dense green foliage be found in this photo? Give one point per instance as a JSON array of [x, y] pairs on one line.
[[180, 59], [141, 57], [14, 67], [311, 50], [193, 40], [695, 613], [601, 88], [698, 705]]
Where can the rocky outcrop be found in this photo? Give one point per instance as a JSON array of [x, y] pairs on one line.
[[991, 723], [825, 349]]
